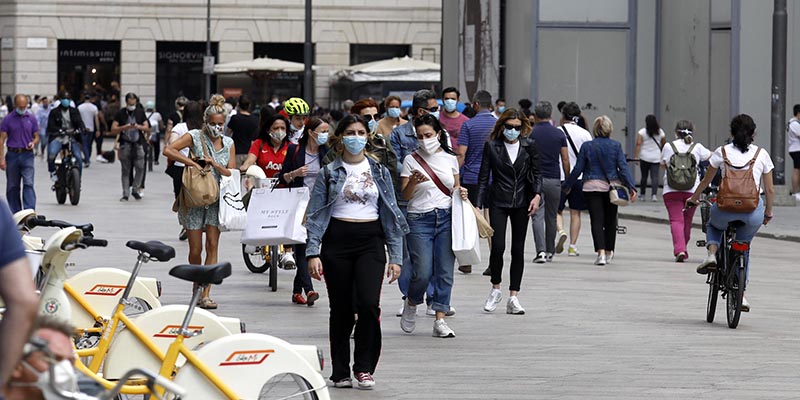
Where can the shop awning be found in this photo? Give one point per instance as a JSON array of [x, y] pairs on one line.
[[395, 69], [259, 64]]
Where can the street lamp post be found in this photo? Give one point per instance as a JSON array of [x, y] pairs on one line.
[[308, 55], [208, 69], [778, 147]]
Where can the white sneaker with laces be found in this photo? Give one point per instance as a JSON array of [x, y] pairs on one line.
[[745, 305], [654, 198], [560, 240], [573, 251], [287, 260], [430, 312], [600, 260], [493, 300], [441, 330], [400, 312], [541, 258], [408, 321], [513, 307]]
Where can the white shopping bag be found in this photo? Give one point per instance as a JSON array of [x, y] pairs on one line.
[[466, 242], [232, 215], [275, 216]]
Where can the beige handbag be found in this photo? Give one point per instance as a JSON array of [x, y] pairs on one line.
[[484, 229], [200, 187]]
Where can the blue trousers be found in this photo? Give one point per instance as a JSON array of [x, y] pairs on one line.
[[19, 168], [407, 269], [88, 140], [718, 221], [55, 147], [430, 244]]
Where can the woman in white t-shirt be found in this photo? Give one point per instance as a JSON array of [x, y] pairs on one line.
[[741, 154], [681, 222], [193, 119], [429, 176], [649, 142]]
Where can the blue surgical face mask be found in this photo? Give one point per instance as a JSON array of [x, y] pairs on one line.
[[511, 134], [394, 112], [21, 111], [450, 105], [372, 125], [322, 138], [501, 109], [354, 144], [65, 103], [435, 114]]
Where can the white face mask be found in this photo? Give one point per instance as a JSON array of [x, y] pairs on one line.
[[278, 135], [215, 130], [132, 108], [65, 379], [429, 145]]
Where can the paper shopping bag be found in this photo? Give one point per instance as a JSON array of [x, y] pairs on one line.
[[232, 214], [275, 216], [466, 245]]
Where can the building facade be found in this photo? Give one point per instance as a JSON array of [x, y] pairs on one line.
[[156, 47]]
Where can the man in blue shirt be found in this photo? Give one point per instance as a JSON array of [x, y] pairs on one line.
[[470, 149], [18, 294], [552, 146], [22, 131]]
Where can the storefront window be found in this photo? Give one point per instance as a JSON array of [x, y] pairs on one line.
[[88, 66], [179, 72]]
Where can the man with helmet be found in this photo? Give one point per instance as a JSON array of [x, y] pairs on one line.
[[297, 111], [65, 116]]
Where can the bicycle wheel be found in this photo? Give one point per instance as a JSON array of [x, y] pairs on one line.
[[736, 283], [74, 186], [258, 261], [713, 295], [287, 386]]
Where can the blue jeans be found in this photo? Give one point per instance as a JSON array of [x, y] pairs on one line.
[[88, 140], [407, 269], [19, 167], [718, 221], [55, 147], [430, 243]]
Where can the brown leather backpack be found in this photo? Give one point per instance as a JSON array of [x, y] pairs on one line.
[[738, 191]]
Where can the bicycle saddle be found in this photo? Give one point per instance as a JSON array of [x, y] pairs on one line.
[[154, 249], [202, 274], [737, 224]]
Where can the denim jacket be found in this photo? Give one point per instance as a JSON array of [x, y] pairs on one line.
[[326, 190], [404, 142], [601, 159]]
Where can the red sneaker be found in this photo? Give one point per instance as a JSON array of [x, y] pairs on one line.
[[311, 297], [298, 298]]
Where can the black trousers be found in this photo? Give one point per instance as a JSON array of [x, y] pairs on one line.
[[498, 218], [302, 280], [649, 170], [176, 173], [603, 216], [353, 260]]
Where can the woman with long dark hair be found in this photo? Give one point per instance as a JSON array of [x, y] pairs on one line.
[[649, 142], [192, 120], [741, 154], [428, 178], [300, 169], [352, 219], [514, 194]]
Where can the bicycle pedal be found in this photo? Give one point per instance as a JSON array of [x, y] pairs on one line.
[[700, 243]]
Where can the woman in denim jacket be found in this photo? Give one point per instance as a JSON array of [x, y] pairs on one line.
[[351, 216], [602, 162]]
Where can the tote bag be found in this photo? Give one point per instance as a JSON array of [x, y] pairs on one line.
[[200, 187], [232, 214], [466, 243], [275, 217]]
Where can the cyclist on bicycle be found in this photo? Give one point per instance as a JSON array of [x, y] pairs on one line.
[[741, 154], [65, 116], [297, 111]]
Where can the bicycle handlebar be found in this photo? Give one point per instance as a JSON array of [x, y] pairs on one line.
[[40, 220], [92, 242]]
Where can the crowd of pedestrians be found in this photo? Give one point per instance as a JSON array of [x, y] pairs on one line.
[[382, 181]]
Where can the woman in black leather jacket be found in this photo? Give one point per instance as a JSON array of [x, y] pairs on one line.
[[513, 161]]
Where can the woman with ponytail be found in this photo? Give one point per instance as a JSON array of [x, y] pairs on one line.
[[674, 198], [741, 154], [211, 147], [649, 143]]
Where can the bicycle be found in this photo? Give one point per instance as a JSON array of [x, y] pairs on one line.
[[730, 276], [68, 173]]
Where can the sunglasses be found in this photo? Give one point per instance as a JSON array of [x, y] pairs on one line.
[[432, 109], [368, 117], [515, 127]]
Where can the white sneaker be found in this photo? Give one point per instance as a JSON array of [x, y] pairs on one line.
[[441, 330], [709, 264], [600, 260], [573, 251], [513, 306], [408, 321], [609, 257], [541, 258], [400, 312], [560, 240], [430, 312], [287, 260], [548, 257], [493, 300], [745, 305], [654, 198], [797, 196]]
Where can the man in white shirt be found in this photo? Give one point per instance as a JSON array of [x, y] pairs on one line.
[[793, 137], [576, 137], [91, 121]]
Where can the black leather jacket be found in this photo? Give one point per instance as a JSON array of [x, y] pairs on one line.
[[513, 186], [54, 121]]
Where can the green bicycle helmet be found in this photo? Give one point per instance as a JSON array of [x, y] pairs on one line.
[[296, 106]]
